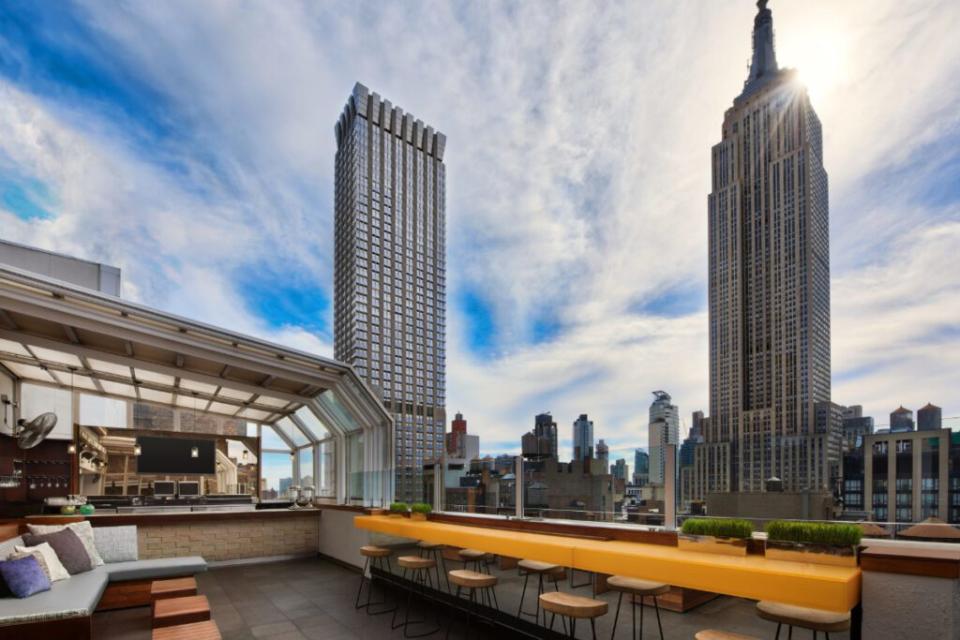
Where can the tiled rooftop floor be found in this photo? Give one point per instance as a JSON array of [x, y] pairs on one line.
[[313, 599]]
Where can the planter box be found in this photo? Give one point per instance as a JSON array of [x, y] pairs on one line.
[[420, 517], [395, 515], [813, 553], [713, 544]]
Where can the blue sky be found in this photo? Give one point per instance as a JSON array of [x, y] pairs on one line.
[[192, 145]]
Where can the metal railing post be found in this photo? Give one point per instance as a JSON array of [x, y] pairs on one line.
[[518, 485]]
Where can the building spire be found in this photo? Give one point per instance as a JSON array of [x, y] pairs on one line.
[[764, 63]]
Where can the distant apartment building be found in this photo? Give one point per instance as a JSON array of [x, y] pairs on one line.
[[583, 438], [901, 419], [461, 444], [641, 468], [769, 288], [603, 453], [929, 418], [620, 470], [389, 271], [686, 471], [855, 427], [904, 476], [545, 427], [576, 489], [664, 429]]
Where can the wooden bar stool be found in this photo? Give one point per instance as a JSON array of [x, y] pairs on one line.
[[420, 568], [374, 556], [206, 630], [636, 587], [568, 605], [474, 581], [435, 550], [713, 634], [540, 569], [474, 557], [815, 620]]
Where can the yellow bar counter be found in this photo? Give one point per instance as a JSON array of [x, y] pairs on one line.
[[754, 577]]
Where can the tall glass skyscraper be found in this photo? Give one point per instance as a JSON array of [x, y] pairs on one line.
[[664, 429], [582, 437], [389, 282], [769, 284]]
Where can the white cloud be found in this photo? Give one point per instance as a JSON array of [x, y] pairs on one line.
[[578, 168]]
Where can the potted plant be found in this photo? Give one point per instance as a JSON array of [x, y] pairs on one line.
[[399, 509], [420, 510], [817, 542], [725, 536]]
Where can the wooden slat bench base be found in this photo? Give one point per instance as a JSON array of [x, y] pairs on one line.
[[175, 611], [173, 588], [206, 630]]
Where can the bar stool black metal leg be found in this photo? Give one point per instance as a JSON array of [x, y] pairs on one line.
[[593, 629], [573, 628], [633, 610], [641, 614], [363, 575], [616, 616], [493, 591], [656, 607], [523, 595], [777, 637]]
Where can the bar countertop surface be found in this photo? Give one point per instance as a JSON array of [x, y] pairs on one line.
[[803, 584]]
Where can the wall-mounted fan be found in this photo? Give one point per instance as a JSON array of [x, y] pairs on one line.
[[33, 432]]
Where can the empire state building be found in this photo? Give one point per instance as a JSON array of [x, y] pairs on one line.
[[769, 285]]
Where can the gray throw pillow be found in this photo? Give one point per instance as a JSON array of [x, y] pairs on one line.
[[68, 547], [84, 531], [116, 544]]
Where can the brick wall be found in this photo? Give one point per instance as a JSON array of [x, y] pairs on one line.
[[231, 539]]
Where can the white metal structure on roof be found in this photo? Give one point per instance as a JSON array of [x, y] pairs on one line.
[[57, 334]]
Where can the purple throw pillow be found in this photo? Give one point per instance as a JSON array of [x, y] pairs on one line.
[[68, 547], [24, 577]]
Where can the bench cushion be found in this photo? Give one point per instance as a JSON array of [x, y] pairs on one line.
[[155, 568], [76, 597], [116, 544]]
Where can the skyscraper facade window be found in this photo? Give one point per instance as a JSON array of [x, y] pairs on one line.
[[769, 287], [389, 282], [664, 429], [582, 437]]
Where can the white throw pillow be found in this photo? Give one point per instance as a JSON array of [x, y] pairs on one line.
[[83, 530], [54, 566]]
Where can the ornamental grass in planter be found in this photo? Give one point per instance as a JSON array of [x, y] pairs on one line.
[[820, 543], [420, 511], [399, 509], [726, 536]]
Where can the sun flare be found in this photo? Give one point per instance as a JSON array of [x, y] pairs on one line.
[[820, 55]]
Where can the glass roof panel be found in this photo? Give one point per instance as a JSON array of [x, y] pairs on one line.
[[117, 389], [78, 381], [9, 346], [194, 385], [220, 407], [152, 376], [156, 396], [96, 411], [50, 355], [109, 367], [270, 401], [254, 414], [236, 394], [29, 371], [270, 440], [313, 423], [190, 401], [292, 431], [332, 404]]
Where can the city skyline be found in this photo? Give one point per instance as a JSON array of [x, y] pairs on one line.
[[218, 183]]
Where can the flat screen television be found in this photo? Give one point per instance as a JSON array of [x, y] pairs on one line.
[[188, 488], [163, 488], [175, 456]]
